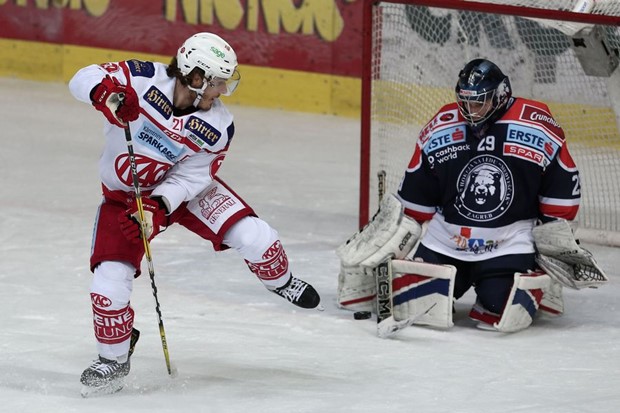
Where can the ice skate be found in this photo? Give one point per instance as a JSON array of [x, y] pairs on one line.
[[106, 376], [299, 293]]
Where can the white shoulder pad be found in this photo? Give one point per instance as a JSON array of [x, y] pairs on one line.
[[563, 259], [390, 233]]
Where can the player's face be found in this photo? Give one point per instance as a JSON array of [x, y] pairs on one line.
[[479, 110], [211, 89]]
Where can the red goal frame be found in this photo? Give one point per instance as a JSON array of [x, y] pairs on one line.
[[367, 53]]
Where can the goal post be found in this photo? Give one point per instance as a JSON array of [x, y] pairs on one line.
[[413, 50]]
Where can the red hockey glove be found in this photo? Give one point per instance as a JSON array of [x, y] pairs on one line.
[[154, 216], [119, 103]]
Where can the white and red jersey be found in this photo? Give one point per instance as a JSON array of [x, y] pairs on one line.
[[177, 152], [484, 195]]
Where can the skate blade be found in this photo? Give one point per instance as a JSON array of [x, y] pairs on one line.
[[108, 388]]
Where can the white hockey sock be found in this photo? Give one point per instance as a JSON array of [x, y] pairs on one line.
[[112, 316]]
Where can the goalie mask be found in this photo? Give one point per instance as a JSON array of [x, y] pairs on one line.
[[482, 93], [215, 57]]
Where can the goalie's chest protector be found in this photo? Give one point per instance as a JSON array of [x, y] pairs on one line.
[[495, 180], [161, 136]]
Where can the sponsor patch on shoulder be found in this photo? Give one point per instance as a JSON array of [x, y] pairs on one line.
[[159, 101], [141, 68], [203, 131], [541, 117]]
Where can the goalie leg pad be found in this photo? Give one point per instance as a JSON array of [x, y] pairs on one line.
[[356, 288], [552, 303], [521, 306], [423, 292]]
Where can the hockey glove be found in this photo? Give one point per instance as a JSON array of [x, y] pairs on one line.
[[119, 103], [154, 217]]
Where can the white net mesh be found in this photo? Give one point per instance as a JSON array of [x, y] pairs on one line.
[[418, 51]]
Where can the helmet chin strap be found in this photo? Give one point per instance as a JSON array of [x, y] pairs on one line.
[[199, 93]]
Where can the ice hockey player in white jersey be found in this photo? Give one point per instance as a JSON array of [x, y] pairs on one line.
[[181, 133], [492, 177]]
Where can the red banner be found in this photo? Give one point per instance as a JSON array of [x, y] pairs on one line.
[[321, 36]]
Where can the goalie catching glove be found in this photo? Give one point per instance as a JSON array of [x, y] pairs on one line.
[[563, 259], [390, 233]]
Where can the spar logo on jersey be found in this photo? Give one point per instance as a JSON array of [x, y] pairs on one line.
[[486, 189], [160, 102], [533, 138], [525, 153], [150, 171], [209, 134], [140, 68]]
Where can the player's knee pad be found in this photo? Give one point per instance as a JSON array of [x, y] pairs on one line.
[[112, 316], [258, 244], [521, 305], [113, 280], [251, 237]]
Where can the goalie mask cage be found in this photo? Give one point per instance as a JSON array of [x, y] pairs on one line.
[[413, 50]]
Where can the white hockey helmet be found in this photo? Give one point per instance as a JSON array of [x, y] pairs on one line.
[[212, 54]]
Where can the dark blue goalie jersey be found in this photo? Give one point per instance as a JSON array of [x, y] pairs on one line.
[[484, 195]]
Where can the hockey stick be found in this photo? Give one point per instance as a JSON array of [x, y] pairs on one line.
[[381, 177], [147, 246]]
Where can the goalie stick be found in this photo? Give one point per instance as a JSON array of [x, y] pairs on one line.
[[147, 248], [381, 176], [387, 326]]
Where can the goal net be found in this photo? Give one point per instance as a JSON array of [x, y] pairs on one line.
[[564, 53]]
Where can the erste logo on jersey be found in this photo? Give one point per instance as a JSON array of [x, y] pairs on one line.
[[445, 144], [140, 68], [158, 101], [530, 144], [445, 137], [486, 189], [202, 130], [152, 137]]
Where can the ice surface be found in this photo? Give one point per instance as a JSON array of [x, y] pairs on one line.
[[237, 347]]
